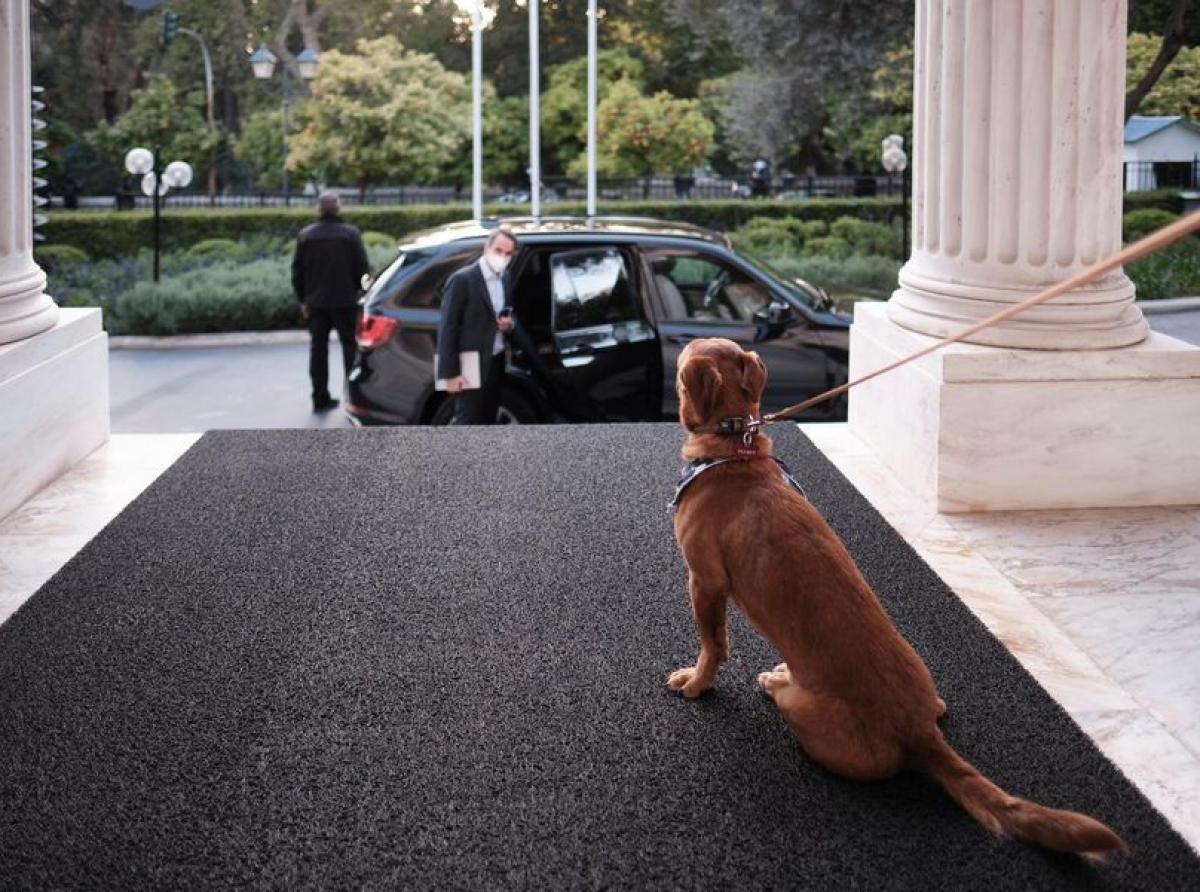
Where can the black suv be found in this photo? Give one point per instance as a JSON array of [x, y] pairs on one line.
[[607, 303]]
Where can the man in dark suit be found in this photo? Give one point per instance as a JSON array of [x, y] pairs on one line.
[[327, 273], [476, 315]]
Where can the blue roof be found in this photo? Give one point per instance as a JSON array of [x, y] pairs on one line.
[[1139, 126]]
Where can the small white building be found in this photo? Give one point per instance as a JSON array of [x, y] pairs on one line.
[[1161, 152]]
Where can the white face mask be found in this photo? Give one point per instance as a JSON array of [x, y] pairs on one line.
[[497, 262]]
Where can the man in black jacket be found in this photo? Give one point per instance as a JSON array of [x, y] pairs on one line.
[[476, 315], [327, 273]]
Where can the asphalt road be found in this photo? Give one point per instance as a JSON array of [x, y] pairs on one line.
[[1182, 324], [192, 389]]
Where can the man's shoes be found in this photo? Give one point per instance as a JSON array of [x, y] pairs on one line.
[[324, 404]]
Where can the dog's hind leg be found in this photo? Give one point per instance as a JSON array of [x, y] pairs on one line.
[[830, 732], [709, 612]]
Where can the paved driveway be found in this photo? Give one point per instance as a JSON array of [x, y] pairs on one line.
[[188, 389], [1183, 324]]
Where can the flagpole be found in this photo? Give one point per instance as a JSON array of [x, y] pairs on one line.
[[591, 109], [535, 135], [477, 109]]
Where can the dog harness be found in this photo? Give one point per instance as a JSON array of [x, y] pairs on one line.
[[698, 466]]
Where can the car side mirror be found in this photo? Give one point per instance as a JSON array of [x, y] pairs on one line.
[[775, 314]]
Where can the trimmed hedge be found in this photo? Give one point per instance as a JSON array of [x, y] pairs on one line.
[[1162, 199], [113, 234]]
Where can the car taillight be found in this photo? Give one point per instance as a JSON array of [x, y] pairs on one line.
[[375, 331]]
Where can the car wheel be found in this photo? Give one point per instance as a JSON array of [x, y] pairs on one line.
[[514, 409]]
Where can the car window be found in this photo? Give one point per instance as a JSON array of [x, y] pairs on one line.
[[401, 269], [591, 287], [701, 287]]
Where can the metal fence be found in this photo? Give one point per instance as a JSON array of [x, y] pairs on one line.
[[1137, 176], [1143, 175], [554, 189]]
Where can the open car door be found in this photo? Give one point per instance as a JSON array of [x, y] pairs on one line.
[[610, 365]]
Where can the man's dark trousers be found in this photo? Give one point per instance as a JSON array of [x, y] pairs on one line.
[[320, 322], [480, 406]]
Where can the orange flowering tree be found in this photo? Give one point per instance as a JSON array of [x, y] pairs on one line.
[[639, 135]]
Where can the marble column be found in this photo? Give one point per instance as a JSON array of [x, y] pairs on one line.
[[1017, 132], [1018, 114], [53, 363], [25, 308]]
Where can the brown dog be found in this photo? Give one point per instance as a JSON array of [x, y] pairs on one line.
[[860, 700]]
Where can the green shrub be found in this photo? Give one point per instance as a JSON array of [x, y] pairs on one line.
[[255, 296], [1136, 224], [865, 237], [1172, 272], [381, 256], [827, 246], [810, 229], [765, 238], [791, 225], [868, 276], [112, 234], [378, 240], [217, 248], [57, 258], [1163, 199]]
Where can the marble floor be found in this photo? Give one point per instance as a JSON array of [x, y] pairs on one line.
[[1102, 607], [45, 532]]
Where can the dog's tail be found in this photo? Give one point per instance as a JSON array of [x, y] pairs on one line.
[[1062, 831]]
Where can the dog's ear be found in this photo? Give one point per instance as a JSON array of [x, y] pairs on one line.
[[754, 375], [699, 384]]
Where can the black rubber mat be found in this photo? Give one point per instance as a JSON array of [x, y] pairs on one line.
[[436, 658]]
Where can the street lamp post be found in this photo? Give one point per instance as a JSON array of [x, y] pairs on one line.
[[208, 92], [896, 161], [262, 63], [156, 182]]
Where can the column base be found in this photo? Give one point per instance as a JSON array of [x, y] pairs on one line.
[[1101, 316], [25, 309], [976, 428], [53, 403]]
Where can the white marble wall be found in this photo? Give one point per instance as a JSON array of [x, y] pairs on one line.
[[977, 428], [53, 403]]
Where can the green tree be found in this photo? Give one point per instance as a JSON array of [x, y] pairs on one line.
[[1179, 26], [797, 58], [1177, 90], [639, 135], [505, 141], [159, 115], [260, 146], [859, 122], [382, 114], [564, 102]]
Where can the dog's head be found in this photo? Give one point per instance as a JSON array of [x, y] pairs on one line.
[[717, 379]]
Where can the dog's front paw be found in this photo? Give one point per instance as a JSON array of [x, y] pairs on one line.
[[689, 682]]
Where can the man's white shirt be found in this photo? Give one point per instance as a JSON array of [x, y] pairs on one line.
[[495, 289]]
